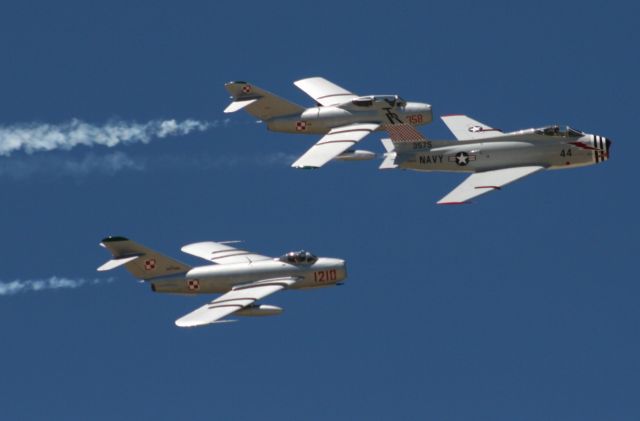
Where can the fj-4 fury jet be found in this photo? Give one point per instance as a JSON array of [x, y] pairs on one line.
[[343, 117], [495, 158], [241, 276]]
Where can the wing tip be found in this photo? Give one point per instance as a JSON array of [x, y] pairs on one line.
[[304, 79], [453, 203], [189, 325], [113, 239]]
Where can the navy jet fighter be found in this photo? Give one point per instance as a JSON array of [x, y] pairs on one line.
[[494, 158], [241, 276], [343, 117]]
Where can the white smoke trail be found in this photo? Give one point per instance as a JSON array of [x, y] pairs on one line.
[[223, 161], [17, 286], [35, 137], [56, 165]]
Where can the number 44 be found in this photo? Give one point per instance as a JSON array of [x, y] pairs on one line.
[[565, 152]]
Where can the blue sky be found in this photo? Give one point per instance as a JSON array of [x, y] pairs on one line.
[[522, 306]]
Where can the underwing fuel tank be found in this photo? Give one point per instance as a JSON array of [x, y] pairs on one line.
[[355, 155], [257, 310]]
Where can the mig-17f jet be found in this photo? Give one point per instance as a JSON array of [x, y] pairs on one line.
[[241, 276], [343, 117], [495, 158]]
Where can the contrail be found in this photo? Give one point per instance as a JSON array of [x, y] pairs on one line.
[[17, 286], [37, 137]]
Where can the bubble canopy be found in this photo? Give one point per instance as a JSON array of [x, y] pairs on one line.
[[299, 258], [555, 131], [368, 101]]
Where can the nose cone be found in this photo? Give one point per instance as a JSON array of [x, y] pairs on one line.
[[419, 108], [344, 269], [602, 148], [341, 267], [338, 262]]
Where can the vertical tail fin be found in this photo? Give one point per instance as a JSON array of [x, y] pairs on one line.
[[142, 262], [258, 102]]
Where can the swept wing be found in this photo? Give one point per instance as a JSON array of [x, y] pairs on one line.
[[480, 183], [466, 128], [222, 253], [234, 300], [324, 92], [335, 142]]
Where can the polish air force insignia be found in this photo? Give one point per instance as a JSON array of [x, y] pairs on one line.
[[193, 284], [150, 264]]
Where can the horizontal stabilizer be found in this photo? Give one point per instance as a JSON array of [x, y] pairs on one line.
[[141, 261], [388, 144], [114, 263], [238, 105], [258, 102], [389, 161]]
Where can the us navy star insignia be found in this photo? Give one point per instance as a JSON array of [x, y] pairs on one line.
[[462, 158]]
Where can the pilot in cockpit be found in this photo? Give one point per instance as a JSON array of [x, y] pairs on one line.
[[299, 257]]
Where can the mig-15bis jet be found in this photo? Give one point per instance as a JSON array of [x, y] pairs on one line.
[[343, 117], [494, 158], [241, 276]]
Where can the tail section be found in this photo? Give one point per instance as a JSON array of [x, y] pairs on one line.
[[142, 262], [258, 102], [389, 157], [403, 146]]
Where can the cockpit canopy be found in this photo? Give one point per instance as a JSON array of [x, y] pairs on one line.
[[390, 100], [299, 258], [555, 131]]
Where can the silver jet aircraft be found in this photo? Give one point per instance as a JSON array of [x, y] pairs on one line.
[[343, 117], [494, 158], [241, 276]]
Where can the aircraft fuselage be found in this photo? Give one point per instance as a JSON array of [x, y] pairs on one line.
[[319, 120], [222, 278], [505, 151]]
